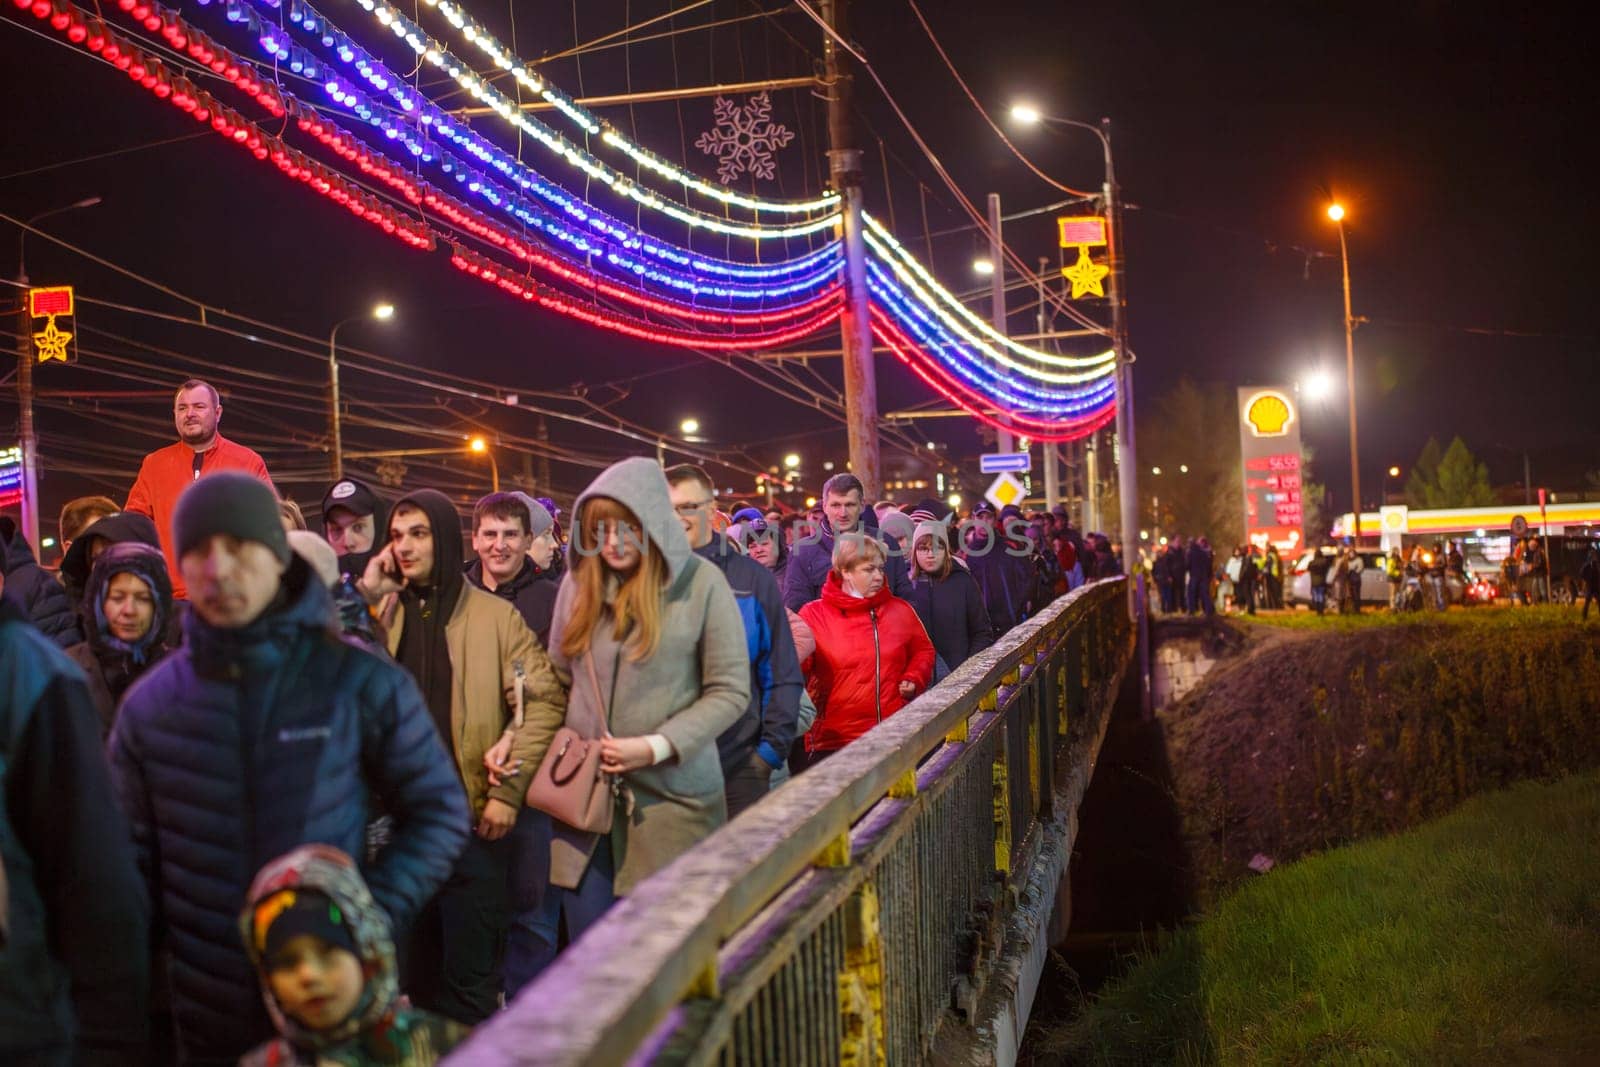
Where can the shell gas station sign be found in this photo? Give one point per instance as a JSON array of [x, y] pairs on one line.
[[1269, 449]]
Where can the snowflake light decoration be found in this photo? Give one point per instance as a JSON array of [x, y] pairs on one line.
[[744, 139]]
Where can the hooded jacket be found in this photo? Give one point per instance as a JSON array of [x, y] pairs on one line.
[[812, 560], [166, 473], [768, 724], [109, 664], [40, 596], [74, 967], [866, 646], [381, 1030], [247, 742], [532, 592], [118, 529], [692, 689], [469, 650], [1005, 575]]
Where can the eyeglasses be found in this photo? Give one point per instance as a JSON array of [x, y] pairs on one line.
[[691, 507]]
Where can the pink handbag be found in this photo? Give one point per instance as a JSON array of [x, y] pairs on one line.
[[569, 783]]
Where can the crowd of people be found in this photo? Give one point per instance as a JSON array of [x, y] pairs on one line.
[[286, 795]]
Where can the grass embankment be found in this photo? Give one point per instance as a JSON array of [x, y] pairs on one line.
[[1334, 729], [1472, 939]]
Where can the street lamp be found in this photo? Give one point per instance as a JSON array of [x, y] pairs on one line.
[[1128, 477], [983, 265], [481, 447], [792, 460], [28, 438], [382, 312], [1391, 473], [1336, 213], [690, 427]]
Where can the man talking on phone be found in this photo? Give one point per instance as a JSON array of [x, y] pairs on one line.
[[496, 702]]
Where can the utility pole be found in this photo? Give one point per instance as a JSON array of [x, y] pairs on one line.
[[844, 168], [1127, 457], [1336, 213], [997, 297], [1052, 473], [25, 431]]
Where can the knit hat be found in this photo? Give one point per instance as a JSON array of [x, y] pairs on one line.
[[745, 514], [929, 510], [317, 552], [898, 525], [931, 529], [351, 494], [290, 913], [228, 502], [539, 517]]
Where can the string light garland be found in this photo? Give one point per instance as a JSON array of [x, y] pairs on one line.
[[502, 58], [487, 270], [87, 31]]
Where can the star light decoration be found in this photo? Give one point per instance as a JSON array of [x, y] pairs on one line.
[[744, 139], [1080, 232], [49, 304], [52, 342]]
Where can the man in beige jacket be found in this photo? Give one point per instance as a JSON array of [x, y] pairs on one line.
[[486, 679]]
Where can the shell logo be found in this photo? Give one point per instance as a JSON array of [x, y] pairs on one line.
[[1269, 414]]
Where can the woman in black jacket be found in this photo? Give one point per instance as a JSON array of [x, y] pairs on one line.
[[127, 607], [947, 599]]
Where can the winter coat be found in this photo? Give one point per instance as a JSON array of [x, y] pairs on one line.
[[110, 665], [767, 727], [242, 745], [166, 472], [381, 1030], [1199, 567], [866, 646], [951, 609], [811, 561], [487, 645], [74, 959], [1318, 569], [33, 590], [691, 689], [1006, 581], [532, 592]]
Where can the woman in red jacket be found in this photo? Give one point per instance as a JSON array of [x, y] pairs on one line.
[[872, 653]]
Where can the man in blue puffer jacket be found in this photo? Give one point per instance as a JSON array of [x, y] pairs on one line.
[[842, 503], [264, 732]]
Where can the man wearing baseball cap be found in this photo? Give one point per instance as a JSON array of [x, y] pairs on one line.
[[352, 515], [265, 731]]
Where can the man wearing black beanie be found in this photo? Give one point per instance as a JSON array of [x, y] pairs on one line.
[[263, 732]]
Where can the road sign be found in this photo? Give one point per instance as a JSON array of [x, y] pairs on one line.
[[1005, 491], [995, 462], [1519, 526]]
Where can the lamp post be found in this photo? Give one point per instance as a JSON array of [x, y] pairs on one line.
[[381, 312], [1391, 473], [29, 440], [1127, 460], [481, 447], [1336, 213]]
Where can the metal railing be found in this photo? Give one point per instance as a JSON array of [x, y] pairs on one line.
[[850, 914]]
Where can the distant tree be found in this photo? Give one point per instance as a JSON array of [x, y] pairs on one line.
[[1451, 479], [1195, 426]]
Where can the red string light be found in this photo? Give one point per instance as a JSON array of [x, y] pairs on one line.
[[909, 353]]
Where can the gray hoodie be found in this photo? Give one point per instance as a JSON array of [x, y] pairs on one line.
[[694, 686]]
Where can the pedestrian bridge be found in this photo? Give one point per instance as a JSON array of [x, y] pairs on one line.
[[889, 906]]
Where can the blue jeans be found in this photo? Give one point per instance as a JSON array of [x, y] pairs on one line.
[[534, 939]]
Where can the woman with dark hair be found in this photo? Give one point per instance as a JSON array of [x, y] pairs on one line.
[[947, 600], [650, 640], [126, 609]]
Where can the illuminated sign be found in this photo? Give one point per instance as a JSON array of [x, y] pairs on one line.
[[10, 476], [1082, 232], [1269, 447], [50, 304]]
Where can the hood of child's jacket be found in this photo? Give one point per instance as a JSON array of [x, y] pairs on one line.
[[639, 485], [449, 546], [330, 872]]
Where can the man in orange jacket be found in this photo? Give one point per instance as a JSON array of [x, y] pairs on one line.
[[166, 472]]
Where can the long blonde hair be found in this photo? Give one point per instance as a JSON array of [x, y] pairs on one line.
[[636, 608]]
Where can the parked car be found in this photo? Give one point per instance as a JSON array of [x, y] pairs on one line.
[[1374, 581]]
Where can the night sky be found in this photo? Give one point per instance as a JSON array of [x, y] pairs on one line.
[[1456, 135]]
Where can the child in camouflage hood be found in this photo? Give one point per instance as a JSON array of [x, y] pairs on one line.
[[326, 958]]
